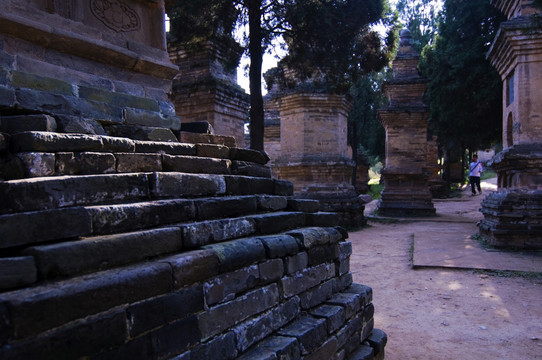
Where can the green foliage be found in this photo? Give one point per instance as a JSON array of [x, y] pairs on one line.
[[464, 89], [195, 22], [421, 18], [365, 131], [330, 43]]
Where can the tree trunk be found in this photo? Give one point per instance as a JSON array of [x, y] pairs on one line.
[[255, 74]]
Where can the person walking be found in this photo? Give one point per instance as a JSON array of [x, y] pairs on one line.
[[475, 169]]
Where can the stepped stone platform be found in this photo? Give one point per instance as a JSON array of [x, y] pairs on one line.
[[113, 248]]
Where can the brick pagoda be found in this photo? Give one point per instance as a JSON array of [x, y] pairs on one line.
[[513, 214], [405, 175]]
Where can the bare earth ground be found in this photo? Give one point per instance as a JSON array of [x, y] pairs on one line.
[[430, 299]]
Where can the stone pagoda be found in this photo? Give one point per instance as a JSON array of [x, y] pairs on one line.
[[406, 189], [314, 152], [205, 90], [513, 214]]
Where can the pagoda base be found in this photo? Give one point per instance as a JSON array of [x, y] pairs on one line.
[[512, 219], [330, 184], [405, 195]]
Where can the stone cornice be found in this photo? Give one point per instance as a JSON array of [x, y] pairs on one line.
[[516, 38], [77, 39]]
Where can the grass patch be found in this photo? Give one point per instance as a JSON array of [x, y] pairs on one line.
[[375, 190], [488, 174]]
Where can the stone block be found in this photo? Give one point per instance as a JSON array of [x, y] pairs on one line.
[[365, 293], [213, 151], [79, 125], [153, 118], [306, 279], [309, 331], [194, 138], [272, 203], [296, 263], [85, 163], [156, 312], [34, 227], [273, 223], [343, 266], [238, 253], [322, 254], [192, 267], [283, 187], [7, 97], [224, 316], [55, 192], [363, 353], [194, 164], [260, 327], [274, 347], [138, 132], [323, 219], [173, 338], [103, 252], [342, 282], [271, 271], [249, 155], [326, 351], [22, 123], [212, 231], [345, 250], [310, 237], [118, 99], [220, 347], [17, 271], [226, 286], [378, 340], [180, 184], [108, 219], [316, 295], [350, 302], [41, 83], [37, 164], [278, 246], [349, 330], [245, 185], [75, 341], [250, 169], [11, 168], [170, 148], [200, 127], [231, 206], [132, 162], [115, 144], [34, 310], [303, 205], [36, 141], [42, 101], [334, 315]]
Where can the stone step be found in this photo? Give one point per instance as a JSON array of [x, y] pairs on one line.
[[46, 193], [33, 310], [54, 154]]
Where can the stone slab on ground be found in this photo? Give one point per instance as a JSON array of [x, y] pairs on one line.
[[444, 240], [451, 246]]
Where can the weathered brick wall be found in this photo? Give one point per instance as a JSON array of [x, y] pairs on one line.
[[96, 75], [119, 248]]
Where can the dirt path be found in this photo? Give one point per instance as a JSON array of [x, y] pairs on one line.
[[445, 313]]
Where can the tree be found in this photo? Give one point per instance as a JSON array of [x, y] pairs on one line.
[[464, 89], [421, 17], [326, 36], [365, 130]]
